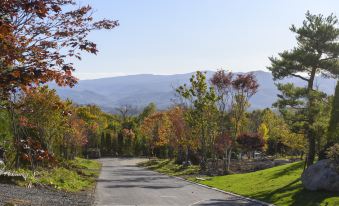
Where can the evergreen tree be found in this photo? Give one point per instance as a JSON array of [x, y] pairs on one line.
[[333, 130], [108, 143], [317, 53], [102, 142]]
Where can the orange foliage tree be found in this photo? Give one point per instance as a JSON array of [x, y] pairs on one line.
[[40, 122], [156, 128], [180, 136]]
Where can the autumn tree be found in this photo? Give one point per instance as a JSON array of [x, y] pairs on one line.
[[156, 128], [244, 87], [222, 82], [233, 92], [74, 137], [181, 139], [316, 53], [39, 38], [39, 123], [296, 143], [250, 142], [128, 138], [200, 100], [263, 133], [277, 129]]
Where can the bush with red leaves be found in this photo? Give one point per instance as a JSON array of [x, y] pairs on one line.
[[250, 141]]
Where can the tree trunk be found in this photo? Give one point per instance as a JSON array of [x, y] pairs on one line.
[[229, 159], [15, 133], [310, 135], [311, 150]]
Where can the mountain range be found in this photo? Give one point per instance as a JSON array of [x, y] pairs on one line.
[[142, 89]]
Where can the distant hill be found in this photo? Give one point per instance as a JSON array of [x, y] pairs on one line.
[[140, 90]]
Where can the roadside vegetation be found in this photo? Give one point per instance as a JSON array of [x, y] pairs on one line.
[[41, 135], [168, 167], [213, 128], [70, 176], [207, 130], [279, 185]]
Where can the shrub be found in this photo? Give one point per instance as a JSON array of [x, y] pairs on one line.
[[251, 141], [333, 153]]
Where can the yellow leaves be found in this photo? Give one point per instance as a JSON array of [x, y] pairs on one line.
[[157, 128], [263, 132], [295, 141], [168, 128]]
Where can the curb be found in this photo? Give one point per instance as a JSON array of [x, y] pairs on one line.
[[222, 191]]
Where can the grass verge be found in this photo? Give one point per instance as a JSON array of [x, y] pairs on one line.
[[278, 185], [71, 176]]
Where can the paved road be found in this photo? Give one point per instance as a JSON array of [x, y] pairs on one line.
[[121, 182]]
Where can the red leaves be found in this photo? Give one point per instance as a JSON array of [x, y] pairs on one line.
[[56, 8], [222, 80], [106, 24], [31, 35], [16, 74], [251, 141], [246, 83], [32, 152], [222, 142]]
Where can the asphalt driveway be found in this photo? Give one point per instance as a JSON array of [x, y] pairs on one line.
[[121, 182]]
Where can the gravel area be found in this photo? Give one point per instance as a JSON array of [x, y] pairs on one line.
[[42, 196]]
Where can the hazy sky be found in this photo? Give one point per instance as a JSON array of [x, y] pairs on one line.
[[180, 36]]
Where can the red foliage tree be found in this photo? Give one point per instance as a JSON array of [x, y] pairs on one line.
[[223, 143], [246, 84], [37, 37], [233, 92], [251, 142]]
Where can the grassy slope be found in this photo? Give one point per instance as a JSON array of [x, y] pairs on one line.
[[72, 176], [279, 185]]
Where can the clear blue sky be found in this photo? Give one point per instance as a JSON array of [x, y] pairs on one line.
[[180, 36]]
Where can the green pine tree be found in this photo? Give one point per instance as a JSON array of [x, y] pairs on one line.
[[333, 130], [315, 53]]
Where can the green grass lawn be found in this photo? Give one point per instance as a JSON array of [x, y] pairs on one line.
[[71, 176], [279, 185], [169, 167]]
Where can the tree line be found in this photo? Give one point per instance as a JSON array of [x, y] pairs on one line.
[[211, 120]]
